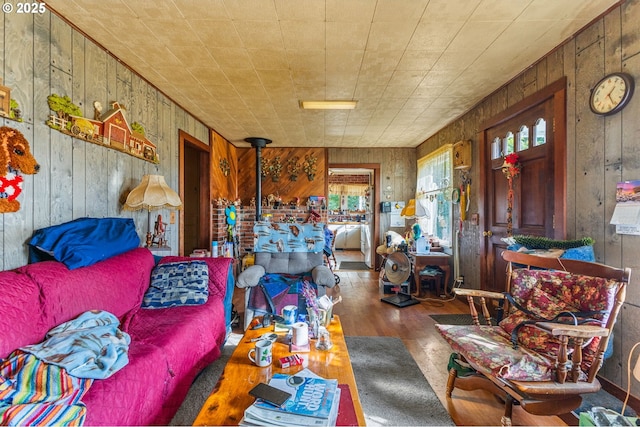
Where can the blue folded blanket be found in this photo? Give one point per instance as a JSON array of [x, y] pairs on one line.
[[84, 241]]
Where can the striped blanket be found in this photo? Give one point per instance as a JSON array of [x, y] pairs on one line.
[[43, 384], [36, 393]]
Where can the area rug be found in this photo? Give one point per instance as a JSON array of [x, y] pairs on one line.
[[352, 265], [393, 391], [604, 399], [456, 319]]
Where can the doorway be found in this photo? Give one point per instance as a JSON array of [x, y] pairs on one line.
[[195, 224], [352, 214], [535, 203]]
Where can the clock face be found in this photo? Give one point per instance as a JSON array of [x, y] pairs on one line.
[[611, 93]]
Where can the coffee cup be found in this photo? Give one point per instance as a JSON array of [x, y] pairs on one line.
[[290, 314], [261, 354]]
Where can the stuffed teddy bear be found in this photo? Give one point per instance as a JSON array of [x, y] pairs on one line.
[[15, 157]]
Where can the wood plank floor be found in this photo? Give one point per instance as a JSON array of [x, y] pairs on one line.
[[363, 314]]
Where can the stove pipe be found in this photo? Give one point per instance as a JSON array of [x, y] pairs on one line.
[[258, 144]]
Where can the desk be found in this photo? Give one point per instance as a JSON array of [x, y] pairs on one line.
[[439, 259]]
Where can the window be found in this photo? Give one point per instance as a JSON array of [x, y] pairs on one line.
[[434, 193], [348, 197]]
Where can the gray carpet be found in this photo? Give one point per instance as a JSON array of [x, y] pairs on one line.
[[456, 319], [392, 389], [353, 265], [452, 319]]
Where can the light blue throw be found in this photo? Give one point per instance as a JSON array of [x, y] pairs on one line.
[[89, 346]]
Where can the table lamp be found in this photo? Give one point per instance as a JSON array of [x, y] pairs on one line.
[[152, 193]]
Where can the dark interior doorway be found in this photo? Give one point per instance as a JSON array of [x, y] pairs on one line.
[[195, 224]]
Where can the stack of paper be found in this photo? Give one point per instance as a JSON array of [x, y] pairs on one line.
[[314, 402]]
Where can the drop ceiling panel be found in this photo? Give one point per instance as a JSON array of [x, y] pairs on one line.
[[242, 66]]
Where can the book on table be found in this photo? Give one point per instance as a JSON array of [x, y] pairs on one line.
[[314, 402]]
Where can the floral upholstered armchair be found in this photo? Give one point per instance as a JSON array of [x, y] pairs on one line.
[[548, 349], [285, 256]]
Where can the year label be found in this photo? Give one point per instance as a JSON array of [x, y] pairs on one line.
[[33, 7]]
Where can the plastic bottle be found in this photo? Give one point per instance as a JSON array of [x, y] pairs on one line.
[[214, 249]]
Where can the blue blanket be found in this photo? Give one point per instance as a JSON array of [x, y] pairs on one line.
[[89, 346], [284, 289], [84, 241]]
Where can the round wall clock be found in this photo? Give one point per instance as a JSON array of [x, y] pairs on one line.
[[611, 93]]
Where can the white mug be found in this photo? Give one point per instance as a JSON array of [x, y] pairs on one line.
[[290, 313], [261, 353]]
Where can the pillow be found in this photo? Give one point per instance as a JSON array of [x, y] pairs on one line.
[[178, 284], [543, 306], [84, 241]]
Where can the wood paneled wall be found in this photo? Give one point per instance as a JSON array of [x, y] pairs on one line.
[[285, 186], [40, 54], [601, 151], [222, 186]]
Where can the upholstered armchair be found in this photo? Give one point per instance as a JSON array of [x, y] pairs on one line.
[[285, 256]]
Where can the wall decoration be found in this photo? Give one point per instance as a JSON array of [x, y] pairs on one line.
[[264, 167], [9, 107], [293, 168], [111, 129], [225, 167], [5, 101], [626, 214], [15, 157], [275, 168], [309, 166], [511, 169]]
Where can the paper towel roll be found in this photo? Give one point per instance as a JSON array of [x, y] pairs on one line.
[[300, 334]]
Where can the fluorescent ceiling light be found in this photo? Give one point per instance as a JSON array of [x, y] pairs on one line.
[[328, 105]]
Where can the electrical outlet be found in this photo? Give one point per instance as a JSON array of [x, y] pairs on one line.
[[172, 217]]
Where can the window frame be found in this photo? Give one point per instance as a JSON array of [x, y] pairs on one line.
[[438, 196]]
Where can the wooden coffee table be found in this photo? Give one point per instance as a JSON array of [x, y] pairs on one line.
[[230, 397]]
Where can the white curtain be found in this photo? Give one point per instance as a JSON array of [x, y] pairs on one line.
[[348, 189]]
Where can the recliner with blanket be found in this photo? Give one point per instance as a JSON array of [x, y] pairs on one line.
[[285, 255]]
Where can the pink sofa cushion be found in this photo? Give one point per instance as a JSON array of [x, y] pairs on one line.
[[21, 319], [122, 399], [115, 285]]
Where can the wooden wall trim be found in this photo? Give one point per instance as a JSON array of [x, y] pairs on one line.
[[375, 240], [531, 100]]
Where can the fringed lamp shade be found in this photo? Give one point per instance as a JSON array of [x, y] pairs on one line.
[[151, 194]]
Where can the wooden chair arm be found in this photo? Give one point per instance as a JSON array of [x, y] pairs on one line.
[[579, 334], [482, 296], [574, 331], [478, 293]]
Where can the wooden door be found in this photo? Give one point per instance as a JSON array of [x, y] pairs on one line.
[[533, 131]]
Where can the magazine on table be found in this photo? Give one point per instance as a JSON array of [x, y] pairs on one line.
[[314, 402]]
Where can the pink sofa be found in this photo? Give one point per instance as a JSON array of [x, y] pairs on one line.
[[169, 346]]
